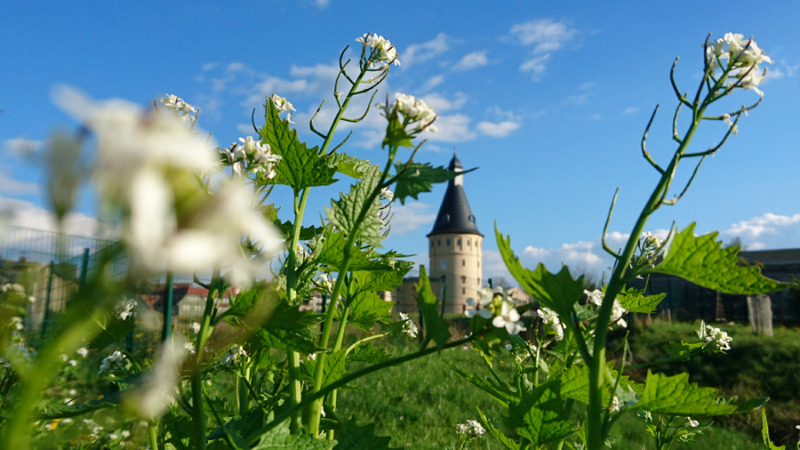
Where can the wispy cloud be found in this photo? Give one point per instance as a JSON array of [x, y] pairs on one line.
[[411, 217], [498, 130], [767, 231], [631, 110], [418, 53], [472, 61], [544, 37], [20, 147], [28, 215]]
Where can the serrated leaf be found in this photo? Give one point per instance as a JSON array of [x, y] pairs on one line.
[[368, 353], [359, 203], [289, 329], [300, 167], [349, 165], [558, 292], [332, 255], [366, 308], [676, 395], [500, 392], [418, 178], [635, 301], [306, 233], [436, 328], [703, 261], [382, 280], [113, 331], [281, 438], [541, 415], [360, 437]]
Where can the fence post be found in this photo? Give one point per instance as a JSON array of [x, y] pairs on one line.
[[84, 267], [46, 314], [167, 329]]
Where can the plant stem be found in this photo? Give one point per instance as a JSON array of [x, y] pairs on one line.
[[597, 364]]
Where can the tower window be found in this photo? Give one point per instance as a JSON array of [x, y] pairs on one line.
[[463, 280], [444, 264], [468, 241], [439, 242], [448, 242], [459, 242], [463, 262], [479, 264], [463, 291]]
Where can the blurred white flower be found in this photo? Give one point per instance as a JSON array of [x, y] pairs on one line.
[[714, 336], [508, 317], [159, 387], [283, 105], [472, 428], [416, 112], [617, 311], [386, 53], [409, 327], [551, 321]]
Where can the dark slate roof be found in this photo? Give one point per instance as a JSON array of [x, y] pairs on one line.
[[454, 214]]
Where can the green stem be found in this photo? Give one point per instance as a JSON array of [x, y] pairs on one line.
[[153, 429], [198, 412], [597, 364]]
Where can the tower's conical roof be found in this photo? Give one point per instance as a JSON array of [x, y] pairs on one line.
[[455, 215]]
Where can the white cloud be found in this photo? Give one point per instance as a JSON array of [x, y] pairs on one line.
[[631, 110], [418, 53], [433, 82], [20, 147], [498, 130], [440, 103], [471, 61], [494, 267], [545, 36], [453, 128], [767, 231], [411, 217], [11, 186], [24, 214], [576, 100]]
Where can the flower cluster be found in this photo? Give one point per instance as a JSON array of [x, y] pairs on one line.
[[472, 428], [742, 58], [384, 51], [178, 106], [551, 322], [714, 336], [416, 113], [147, 169], [617, 311], [115, 364], [496, 303], [251, 156], [236, 354], [409, 327]]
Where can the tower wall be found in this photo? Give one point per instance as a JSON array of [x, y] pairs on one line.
[[457, 257]]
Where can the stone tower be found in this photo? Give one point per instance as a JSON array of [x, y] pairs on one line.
[[455, 248]]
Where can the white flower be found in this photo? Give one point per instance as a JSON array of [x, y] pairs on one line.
[[617, 311], [234, 355], [742, 57], [651, 239], [615, 404], [195, 327], [185, 111], [715, 336], [283, 105], [409, 327], [158, 388], [508, 318], [83, 351], [386, 53], [692, 423], [552, 321], [415, 112], [114, 364], [387, 194], [127, 311], [472, 428], [481, 306], [189, 348]]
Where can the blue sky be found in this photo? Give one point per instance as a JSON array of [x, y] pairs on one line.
[[548, 99]]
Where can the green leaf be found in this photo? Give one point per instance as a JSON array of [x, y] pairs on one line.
[[361, 259], [436, 328], [281, 438], [541, 415], [500, 392], [350, 165], [765, 433], [396, 134], [366, 308], [368, 353], [495, 431], [635, 301], [558, 292], [676, 395], [382, 280], [359, 205], [289, 329], [113, 331], [300, 167], [703, 261], [360, 437], [419, 178]]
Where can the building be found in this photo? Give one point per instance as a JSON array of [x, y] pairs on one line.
[[455, 249]]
